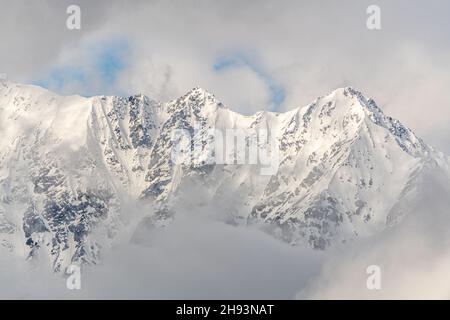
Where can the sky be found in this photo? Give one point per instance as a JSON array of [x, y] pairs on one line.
[[253, 55]]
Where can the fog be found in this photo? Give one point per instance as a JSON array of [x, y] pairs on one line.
[[199, 257], [194, 257]]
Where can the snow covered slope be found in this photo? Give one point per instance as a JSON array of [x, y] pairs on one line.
[[71, 167], [345, 166]]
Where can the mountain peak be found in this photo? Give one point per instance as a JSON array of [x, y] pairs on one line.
[[197, 98], [350, 97], [68, 163], [199, 93]]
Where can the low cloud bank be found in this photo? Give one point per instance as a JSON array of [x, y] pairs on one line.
[[195, 257], [198, 257]]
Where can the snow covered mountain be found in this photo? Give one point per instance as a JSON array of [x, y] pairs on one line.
[[72, 167]]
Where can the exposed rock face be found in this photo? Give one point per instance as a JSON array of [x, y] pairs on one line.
[[69, 164]]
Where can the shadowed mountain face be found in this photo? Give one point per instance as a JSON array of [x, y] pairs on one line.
[[72, 167]]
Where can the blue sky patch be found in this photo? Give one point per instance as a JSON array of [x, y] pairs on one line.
[[276, 91], [96, 76], [111, 59]]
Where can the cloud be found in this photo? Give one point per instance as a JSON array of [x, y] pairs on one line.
[[299, 50], [414, 256], [198, 257], [90, 69], [414, 265], [22, 280], [110, 59], [193, 258], [276, 92]]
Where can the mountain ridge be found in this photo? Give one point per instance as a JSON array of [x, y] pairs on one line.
[[69, 165]]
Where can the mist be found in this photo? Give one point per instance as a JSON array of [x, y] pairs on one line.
[[199, 257]]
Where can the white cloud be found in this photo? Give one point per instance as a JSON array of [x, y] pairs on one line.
[[197, 257], [309, 48], [193, 258], [414, 256]]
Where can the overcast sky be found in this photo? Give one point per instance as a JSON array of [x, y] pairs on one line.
[[253, 55]]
